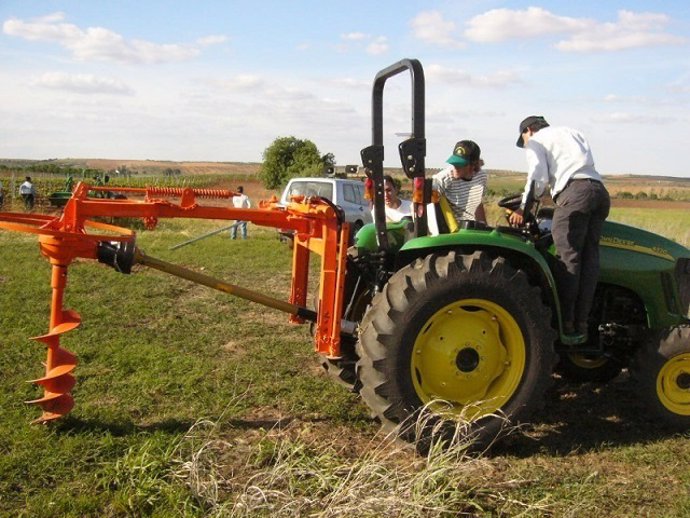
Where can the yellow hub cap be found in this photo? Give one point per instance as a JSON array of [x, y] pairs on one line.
[[673, 384], [470, 354]]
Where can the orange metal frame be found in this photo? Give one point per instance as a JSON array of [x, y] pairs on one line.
[[75, 234]]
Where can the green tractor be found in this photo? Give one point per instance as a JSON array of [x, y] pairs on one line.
[[465, 327]]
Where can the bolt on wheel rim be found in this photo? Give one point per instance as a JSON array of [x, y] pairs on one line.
[[471, 354], [673, 384]]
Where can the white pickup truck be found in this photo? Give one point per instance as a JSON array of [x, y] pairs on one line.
[[345, 193]]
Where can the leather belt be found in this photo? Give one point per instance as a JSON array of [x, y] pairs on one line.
[[573, 180]]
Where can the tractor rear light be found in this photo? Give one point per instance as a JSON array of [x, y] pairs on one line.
[[418, 187], [418, 190], [369, 189]]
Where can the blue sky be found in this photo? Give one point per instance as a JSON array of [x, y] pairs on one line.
[[220, 80]]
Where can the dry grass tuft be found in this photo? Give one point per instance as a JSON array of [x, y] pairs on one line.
[[287, 472]]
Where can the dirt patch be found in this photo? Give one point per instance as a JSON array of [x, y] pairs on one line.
[[237, 348]]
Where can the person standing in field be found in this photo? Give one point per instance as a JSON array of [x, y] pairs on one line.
[[2, 195], [28, 193], [561, 158], [240, 201]]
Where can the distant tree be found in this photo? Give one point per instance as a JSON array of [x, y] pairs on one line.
[[328, 160], [288, 157]]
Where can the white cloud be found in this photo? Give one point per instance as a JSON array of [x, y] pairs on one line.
[[504, 24], [242, 83], [431, 27], [679, 89], [459, 76], [633, 118], [82, 83], [614, 98], [378, 46], [349, 82], [213, 39], [374, 45], [355, 36], [100, 44], [630, 30]]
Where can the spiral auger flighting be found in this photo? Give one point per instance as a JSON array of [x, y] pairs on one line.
[[58, 380], [62, 240]]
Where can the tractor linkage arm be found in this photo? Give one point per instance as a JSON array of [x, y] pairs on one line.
[[75, 234]]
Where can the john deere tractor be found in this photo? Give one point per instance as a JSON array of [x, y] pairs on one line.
[[467, 325]]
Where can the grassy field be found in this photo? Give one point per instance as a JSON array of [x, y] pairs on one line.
[[192, 403]]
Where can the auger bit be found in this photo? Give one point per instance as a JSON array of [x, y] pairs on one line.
[[60, 247]]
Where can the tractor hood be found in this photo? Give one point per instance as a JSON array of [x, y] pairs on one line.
[[624, 237]]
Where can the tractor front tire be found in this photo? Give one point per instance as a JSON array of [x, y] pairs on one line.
[[662, 373], [465, 337]]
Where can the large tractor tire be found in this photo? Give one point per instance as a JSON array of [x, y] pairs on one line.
[[463, 336], [662, 372]]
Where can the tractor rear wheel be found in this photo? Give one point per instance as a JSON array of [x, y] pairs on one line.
[[662, 372], [464, 336]]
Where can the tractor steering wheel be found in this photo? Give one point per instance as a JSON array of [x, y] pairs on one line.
[[513, 201]]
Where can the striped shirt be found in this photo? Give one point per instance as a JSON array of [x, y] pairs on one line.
[[464, 196]]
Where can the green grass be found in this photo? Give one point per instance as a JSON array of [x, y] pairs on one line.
[[672, 223], [192, 403]]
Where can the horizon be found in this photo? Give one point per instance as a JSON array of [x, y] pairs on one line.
[[339, 166]]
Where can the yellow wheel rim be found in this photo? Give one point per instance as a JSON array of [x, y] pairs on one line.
[[470, 354], [673, 384]]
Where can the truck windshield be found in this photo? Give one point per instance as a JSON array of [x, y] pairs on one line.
[[322, 189]]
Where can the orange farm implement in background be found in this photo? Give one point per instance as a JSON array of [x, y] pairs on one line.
[[318, 225]]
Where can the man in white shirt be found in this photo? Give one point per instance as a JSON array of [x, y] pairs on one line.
[[463, 182], [396, 208], [28, 193], [561, 158], [240, 201]]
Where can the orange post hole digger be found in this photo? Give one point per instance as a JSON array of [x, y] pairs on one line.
[[318, 225]]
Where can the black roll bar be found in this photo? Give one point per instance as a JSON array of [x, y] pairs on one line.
[[412, 151]]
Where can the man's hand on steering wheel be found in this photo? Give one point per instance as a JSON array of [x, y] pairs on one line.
[[516, 218]]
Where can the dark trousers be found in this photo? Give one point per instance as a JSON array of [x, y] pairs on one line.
[[581, 209], [28, 201]]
